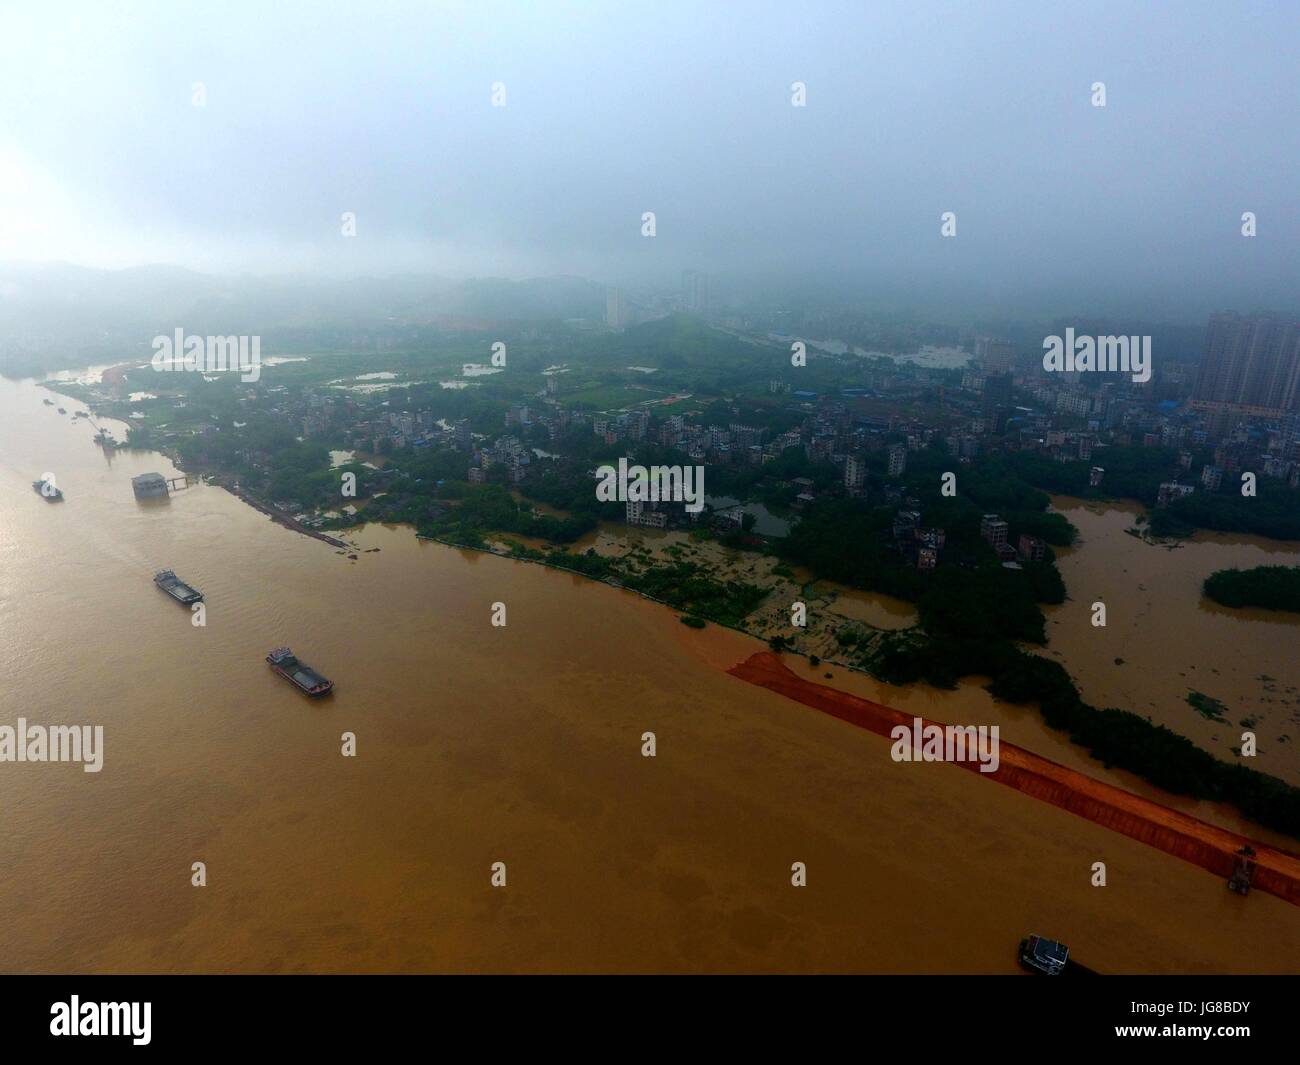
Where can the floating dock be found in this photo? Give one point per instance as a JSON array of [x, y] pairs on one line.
[[153, 485]]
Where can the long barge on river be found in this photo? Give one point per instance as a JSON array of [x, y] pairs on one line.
[[177, 588], [284, 662]]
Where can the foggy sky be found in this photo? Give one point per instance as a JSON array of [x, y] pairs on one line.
[[613, 109]]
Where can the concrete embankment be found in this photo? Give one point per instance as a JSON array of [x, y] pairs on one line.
[[1276, 871], [281, 518]]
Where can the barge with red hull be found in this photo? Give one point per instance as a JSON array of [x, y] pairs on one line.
[[284, 662]]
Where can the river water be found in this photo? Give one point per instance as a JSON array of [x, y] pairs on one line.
[[1171, 641], [478, 744]]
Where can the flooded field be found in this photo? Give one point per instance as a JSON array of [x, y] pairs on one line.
[[1164, 641]]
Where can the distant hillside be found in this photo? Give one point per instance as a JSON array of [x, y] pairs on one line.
[[58, 315], [538, 298], [678, 340]]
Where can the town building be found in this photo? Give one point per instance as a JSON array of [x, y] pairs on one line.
[[639, 513], [994, 530], [1171, 490], [1250, 365], [855, 474], [1032, 549]]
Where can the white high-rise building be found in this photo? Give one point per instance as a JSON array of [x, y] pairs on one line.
[[996, 356], [615, 313], [695, 292], [855, 473]]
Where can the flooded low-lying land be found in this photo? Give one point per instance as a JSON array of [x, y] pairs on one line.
[[1163, 640], [478, 744]]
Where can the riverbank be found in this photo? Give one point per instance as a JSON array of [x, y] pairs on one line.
[[281, 518]]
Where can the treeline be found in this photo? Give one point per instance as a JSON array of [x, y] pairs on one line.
[[567, 485], [1118, 738], [847, 541], [1270, 587], [970, 593], [682, 585], [991, 601], [769, 482], [485, 508], [1274, 512], [1138, 472], [1131, 472], [288, 469], [991, 485], [972, 613]]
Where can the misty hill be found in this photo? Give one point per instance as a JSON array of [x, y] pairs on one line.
[[58, 315], [673, 342]]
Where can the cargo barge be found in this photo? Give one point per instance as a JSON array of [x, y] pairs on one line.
[[301, 676], [1049, 957], [177, 588], [48, 491]]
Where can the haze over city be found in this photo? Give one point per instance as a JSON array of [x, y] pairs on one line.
[[612, 111]]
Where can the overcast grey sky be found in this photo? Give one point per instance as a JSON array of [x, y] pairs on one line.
[[684, 109]]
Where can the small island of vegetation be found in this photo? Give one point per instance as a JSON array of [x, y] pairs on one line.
[[1270, 587]]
